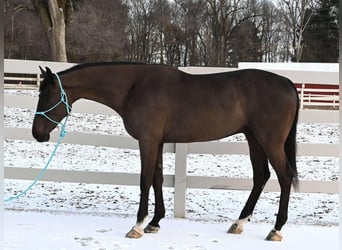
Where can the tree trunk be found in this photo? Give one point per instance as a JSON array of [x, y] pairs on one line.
[[58, 32], [53, 21]]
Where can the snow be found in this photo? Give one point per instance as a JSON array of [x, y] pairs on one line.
[[98, 216], [65, 231]]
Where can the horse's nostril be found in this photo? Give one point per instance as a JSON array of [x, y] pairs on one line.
[[41, 137]]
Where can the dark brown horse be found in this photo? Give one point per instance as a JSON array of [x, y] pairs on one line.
[[161, 104]]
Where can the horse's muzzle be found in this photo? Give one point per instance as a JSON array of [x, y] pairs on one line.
[[41, 137]]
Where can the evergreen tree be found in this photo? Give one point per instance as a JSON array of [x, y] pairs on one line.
[[321, 36]]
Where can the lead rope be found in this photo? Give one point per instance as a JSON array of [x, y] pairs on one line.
[[64, 99]]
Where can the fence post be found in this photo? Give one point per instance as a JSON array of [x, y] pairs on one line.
[[180, 180], [38, 80], [302, 96]]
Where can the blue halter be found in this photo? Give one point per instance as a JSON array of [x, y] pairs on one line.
[[64, 99]]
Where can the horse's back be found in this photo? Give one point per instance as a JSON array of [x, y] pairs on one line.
[[250, 89]]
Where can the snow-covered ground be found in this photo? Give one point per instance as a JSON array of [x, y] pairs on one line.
[[32, 231], [109, 206]]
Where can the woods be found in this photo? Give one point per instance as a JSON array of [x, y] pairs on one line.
[[177, 32]]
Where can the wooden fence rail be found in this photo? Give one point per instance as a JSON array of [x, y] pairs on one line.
[[180, 181]]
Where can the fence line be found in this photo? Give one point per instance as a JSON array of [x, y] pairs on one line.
[[180, 181], [91, 107], [126, 142]]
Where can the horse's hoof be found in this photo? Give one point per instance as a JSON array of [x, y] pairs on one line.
[[151, 229], [274, 235], [134, 234], [235, 229]]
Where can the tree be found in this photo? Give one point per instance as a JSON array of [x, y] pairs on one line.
[[98, 34], [23, 32], [245, 44], [321, 35], [224, 17], [190, 18], [54, 14], [270, 31], [143, 30], [178, 32], [297, 15]]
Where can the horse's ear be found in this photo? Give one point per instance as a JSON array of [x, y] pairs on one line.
[[47, 73], [42, 71]]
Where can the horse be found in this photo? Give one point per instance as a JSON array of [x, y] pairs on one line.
[[161, 104]]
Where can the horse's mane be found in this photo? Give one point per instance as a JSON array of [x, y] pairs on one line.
[[85, 65]]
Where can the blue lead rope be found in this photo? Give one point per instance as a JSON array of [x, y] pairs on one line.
[[64, 99]]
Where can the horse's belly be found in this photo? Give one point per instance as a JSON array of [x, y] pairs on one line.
[[196, 130]]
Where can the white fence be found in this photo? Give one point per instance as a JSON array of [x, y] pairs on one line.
[[19, 72], [179, 180]]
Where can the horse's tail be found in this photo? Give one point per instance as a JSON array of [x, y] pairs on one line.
[[291, 144]]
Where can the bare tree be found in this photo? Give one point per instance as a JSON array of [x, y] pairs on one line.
[[98, 34], [297, 15], [178, 32], [245, 44], [143, 30], [23, 32], [190, 19], [270, 31], [53, 15], [224, 17], [161, 18], [173, 44]]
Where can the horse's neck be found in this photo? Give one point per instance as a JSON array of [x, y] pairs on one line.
[[108, 88]]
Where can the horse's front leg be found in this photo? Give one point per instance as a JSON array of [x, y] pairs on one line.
[[159, 211], [148, 157]]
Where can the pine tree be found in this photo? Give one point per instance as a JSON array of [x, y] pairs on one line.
[[321, 36]]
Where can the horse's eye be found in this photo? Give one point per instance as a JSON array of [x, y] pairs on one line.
[[40, 94], [43, 95]]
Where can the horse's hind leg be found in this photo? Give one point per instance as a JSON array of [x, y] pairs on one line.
[[159, 211], [261, 174], [278, 160]]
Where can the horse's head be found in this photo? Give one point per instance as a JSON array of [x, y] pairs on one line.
[[52, 106]]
